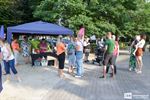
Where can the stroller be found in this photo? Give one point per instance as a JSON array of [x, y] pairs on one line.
[[99, 53]]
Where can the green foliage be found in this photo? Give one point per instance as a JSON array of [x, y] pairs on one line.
[[7, 11], [123, 17], [123, 45], [13, 12]]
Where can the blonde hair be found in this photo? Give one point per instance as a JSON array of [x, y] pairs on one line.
[[59, 39]]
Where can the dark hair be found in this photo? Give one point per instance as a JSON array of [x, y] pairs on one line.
[[81, 26], [117, 38], [113, 33], [143, 36], [43, 39], [25, 37]]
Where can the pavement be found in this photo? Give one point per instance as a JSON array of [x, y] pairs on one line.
[[43, 83]]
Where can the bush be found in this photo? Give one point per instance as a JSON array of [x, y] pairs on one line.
[[93, 47], [123, 45]]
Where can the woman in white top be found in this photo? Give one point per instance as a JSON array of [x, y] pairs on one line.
[[8, 59], [79, 56], [139, 53]]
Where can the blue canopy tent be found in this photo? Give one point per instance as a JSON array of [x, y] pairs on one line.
[[2, 37], [38, 27], [2, 32]]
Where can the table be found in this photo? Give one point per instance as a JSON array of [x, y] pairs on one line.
[[41, 55]]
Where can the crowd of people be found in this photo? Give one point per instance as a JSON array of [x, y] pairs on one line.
[[79, 47], [73, 51]]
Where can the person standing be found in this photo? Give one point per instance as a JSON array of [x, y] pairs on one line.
[[26, 49], [139, 53], [71, 55], [8, 59], [43, 46], [16, 50], [60, 46], [86, 49], [108, 57], [132, 60], [115, 54], [79, 56]]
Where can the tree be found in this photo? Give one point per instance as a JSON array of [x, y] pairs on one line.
[[7, 11], [13, 12], [124, 17]]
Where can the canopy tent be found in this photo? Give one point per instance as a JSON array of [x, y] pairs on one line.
[[38, 27], [2, 32]]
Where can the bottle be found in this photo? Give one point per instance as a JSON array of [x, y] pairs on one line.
[[43, 58], [43, 61]]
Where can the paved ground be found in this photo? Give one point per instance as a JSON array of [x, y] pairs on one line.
[[90, 87], [44, 84]]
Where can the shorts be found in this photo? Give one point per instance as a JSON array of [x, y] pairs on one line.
[[61, 60], [139, 52], [108, 58]]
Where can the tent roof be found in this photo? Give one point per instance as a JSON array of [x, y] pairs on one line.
[[38, 27]]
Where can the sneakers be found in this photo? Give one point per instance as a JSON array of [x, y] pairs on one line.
[[104, 77], [139, 72], [19, 80], [77, 76], [130, 69]]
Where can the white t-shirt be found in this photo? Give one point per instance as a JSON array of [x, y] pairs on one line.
[[5, 53], [85, 43], [140, 44], [80, 43]]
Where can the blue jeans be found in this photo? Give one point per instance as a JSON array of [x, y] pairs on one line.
[[79, 62], [10, 65]]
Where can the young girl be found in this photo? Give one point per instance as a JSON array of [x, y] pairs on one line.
[[8, 59]]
